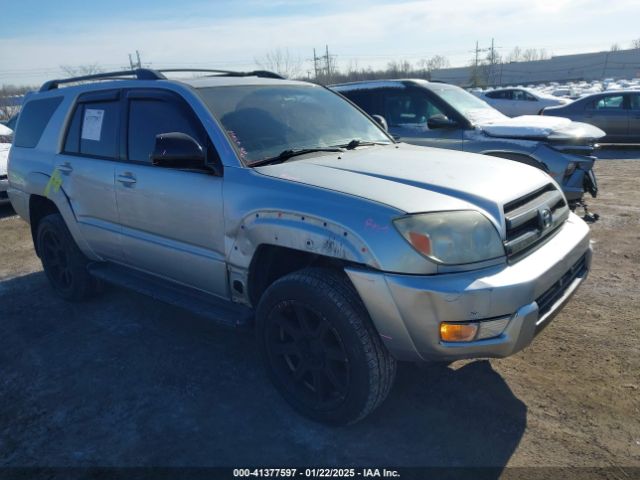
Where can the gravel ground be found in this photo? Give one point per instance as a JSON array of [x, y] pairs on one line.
[[122, 380]]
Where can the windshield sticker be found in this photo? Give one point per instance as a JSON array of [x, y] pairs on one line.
[[234, 137], [92, 124]]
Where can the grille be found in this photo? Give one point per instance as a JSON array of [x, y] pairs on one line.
[[551, 296], [530, 220]]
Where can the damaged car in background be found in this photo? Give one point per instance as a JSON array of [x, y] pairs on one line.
[[446, 116]]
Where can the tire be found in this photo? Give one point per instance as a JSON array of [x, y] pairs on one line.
[[64, 264], [321, 349]]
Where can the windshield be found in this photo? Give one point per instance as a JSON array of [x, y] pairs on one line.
[[264, 121], [467, 104]]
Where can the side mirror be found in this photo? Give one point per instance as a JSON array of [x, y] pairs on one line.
[[177, 150], [381, 121], [440, 121]]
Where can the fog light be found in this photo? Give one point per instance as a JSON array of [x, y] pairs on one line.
[[492, 328], [458, 332]]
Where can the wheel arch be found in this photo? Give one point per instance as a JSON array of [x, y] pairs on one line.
[[43, 198], [269, 244]]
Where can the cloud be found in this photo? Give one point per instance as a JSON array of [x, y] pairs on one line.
[[373, 33]]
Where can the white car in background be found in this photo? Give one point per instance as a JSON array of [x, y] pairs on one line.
[[514, 102], [5, 144]]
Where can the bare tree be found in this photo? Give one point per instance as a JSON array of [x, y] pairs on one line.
[[533, 54], [515, 55], [282, 62], [9, 104], [398, 68], [614, 48], [81, 70], [428, 65], [635, 43]]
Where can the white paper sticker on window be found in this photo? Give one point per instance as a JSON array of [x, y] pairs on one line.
[[92, 124]]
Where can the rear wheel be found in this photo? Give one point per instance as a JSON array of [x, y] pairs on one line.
[[320, 347], [63, 262]]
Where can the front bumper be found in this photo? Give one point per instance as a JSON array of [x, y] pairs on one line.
[[582, 180], [407, 309], [4, 186]]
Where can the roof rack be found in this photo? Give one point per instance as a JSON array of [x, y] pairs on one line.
[[139, 73], [149, 74], [226, 73]]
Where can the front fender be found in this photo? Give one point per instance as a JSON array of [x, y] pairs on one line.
[[299, 232]]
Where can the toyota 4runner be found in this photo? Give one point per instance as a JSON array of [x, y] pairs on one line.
[[277, 205]]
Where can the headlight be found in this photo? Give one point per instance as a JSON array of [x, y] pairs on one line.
[[452, 238], [570, 169]]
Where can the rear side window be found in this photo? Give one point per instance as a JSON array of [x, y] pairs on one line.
[[610, 103], [94, 130], [149, 117], [34, 118], [500, 94]]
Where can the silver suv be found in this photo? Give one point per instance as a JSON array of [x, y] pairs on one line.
[[277, 205]]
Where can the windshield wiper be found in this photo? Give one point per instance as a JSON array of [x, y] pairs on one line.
[[287, 154], [361, 143]]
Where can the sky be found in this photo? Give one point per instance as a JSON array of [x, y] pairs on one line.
[[38, 37]]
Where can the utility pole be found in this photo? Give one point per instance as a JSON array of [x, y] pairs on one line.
[[323, 66], [137, 63], [328, 63], [315, 64]]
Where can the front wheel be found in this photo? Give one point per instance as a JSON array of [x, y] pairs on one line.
[[321, 349]]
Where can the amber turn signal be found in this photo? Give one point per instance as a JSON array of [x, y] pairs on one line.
[[458, 332]]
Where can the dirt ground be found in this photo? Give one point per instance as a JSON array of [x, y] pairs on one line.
[[122, 380]]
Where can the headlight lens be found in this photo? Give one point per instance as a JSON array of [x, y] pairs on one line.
[[570, 169], [452, 238]]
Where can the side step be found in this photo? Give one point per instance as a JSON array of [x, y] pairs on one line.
[[199, 303]]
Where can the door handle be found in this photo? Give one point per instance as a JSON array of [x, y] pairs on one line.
[[127, 179], [64, 168]]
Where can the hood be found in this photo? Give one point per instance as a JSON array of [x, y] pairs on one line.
[[5, 131], [417, 179], [537, 127], [4, 156]]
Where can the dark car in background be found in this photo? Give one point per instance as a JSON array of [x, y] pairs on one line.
[[617, 113]]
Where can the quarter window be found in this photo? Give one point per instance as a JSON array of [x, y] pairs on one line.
[[33, 119], [635, 101]]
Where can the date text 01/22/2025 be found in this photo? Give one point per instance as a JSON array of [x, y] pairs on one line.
[[315, 473]]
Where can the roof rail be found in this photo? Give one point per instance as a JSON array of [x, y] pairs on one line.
[[139, 73], [225, 73], [149, 74]]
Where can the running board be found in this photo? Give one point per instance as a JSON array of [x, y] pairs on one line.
[[199, 303]]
